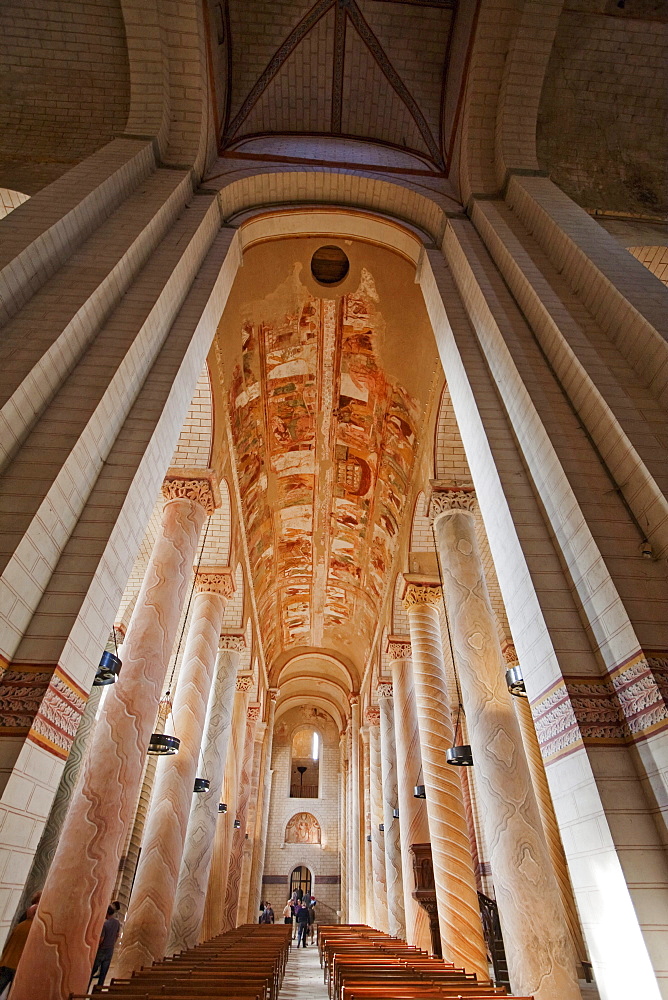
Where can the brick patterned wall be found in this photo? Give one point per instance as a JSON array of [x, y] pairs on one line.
[[322, 859], [9, 200], [64, 86]]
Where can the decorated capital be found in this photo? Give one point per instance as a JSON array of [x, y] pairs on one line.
[[372, 716], [417, 594], [398, 647], [244, 683], [253, 712], [215, 580], [448, 497], [354, 699], [273, 693], [510, 654], [197, 485], [384, 688], [232, 641]]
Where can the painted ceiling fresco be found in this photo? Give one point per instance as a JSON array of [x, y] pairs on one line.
[[325, 442]]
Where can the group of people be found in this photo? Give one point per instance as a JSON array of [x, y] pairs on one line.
[[300, 912]]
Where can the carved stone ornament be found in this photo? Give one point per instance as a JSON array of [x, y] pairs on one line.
[[510, 654], [253, 712], [372, 716], [197, 485], [420, 593], [354, 699], [234, 642], [214, 580], [384, 688], [273, 693], [244, 683], [398, 647], [446, 497]]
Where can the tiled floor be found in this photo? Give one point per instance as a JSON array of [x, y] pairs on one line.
[[303, 977]]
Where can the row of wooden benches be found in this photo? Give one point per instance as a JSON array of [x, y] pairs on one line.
[[247, 963], [364, 964]]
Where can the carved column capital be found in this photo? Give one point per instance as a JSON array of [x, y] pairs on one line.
[[232, 641], [419, 592], [372, 716], [197, 485], [273, 693], [384, 689], [244, 683], [509, 654], [215, 580], [398, 647], [447, 497], [253, 712], [354, 699]]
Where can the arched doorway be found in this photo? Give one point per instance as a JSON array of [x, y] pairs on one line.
[[300, 879]]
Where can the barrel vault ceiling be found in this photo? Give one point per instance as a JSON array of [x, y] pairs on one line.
[[364, 69]]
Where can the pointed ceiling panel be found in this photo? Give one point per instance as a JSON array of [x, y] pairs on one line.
[[370, 106], [415, 40], [298, 99]]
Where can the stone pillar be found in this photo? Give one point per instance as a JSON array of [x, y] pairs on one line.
[[456, 894], [546, 810], [253, 822], [239, 831], [343, 824], [261, 846], [367, 904], [204, 815], [64, 937], [355, 813], [146, 929], [214, 907], [48, 843], [413, 823], [377, 819], [540, 955], [388, 763]]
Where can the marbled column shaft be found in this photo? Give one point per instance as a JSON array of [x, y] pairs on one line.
[[388, 763], [377, 818], [239, 835], [413, 823], [261, 847], [456, 894], [204, 815], [149, 918], [356, 873], [367, 904], [48, 843], [252, 826], [549, 822], [343, 811], [65, 934], [540, 954], [214, 908]]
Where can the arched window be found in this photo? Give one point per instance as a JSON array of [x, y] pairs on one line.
[[300, 880], [305, 766]]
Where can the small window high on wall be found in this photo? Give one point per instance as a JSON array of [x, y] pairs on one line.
[[305, 769]]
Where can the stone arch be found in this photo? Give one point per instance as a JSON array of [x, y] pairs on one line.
[[303, 828]]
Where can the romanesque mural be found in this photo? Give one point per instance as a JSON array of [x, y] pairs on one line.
[[325, 441], [302, 829]]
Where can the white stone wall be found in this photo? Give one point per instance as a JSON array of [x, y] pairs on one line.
[[322, 859]]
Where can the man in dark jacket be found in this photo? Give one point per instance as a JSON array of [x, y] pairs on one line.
[[302, 924]]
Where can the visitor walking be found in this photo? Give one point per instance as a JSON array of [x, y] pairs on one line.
[[287, 912], [267, 914], [111, 930], [302, 925], [13, 949]]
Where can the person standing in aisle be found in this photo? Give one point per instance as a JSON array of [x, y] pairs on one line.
[[302, 924]]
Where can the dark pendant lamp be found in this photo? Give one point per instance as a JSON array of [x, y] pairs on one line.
[[461, 756], [161, 745], [381, 827], [395, 814], [515, 681], [237, 824], [108, 670], [419, 792], [368, 837], [222, 807], [202, 785]]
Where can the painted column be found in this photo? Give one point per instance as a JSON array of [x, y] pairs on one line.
[[540, 954], [204, 815], [343, 813], [413, 822], [388, 764], [149, 918], [546, 810], [239, 831], [253, 822], [261, 847], [214, 907], [377, 820], [456, 893], [355, 812], [48, 843], [349, 819], [367, 905], [65, 934]]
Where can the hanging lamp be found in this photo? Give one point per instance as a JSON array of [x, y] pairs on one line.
[[237, 824], [108, 670], [381, 827], [202, 785], [222, 807], [459, 755], [161, 745], [395, 814], [515, 681]]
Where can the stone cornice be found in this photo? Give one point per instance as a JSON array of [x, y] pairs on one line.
[[372, 716], [398, 647], [232, 641], [198, 485], [447, 497], [244, 683], [384, 689], [215, 580]]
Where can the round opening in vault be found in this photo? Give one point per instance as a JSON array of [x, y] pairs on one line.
[[329, 265]]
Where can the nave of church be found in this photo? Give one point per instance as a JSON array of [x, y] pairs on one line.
[[334, 486]]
